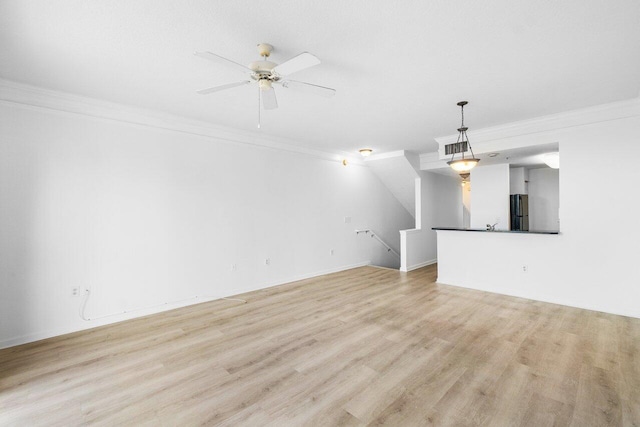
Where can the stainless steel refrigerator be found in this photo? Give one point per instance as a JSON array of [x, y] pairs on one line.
[[519, 212]]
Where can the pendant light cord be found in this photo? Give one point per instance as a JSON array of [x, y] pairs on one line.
[[461, 136], [463, 133]]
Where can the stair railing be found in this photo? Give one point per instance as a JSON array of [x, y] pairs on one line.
[[375, 236]]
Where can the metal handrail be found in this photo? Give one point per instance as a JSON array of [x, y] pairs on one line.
[[375, 236]]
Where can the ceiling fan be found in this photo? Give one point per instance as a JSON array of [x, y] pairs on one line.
[[266, 74]]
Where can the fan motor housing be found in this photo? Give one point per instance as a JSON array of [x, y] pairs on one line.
[[263, 70]]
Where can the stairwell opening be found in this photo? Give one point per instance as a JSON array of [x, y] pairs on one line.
[[386, 256]]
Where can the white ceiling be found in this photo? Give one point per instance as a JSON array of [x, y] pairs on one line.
[[527, 157], [399, 67], [531, 157]]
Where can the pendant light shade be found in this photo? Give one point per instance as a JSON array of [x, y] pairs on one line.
[[463, 164]]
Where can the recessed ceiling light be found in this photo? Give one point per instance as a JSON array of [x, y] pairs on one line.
[[366, 152], [493, 154]]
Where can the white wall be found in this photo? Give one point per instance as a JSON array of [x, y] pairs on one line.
[[447, 204], [490, 196], [440, 206], [466, 206], [593, 263], [544, 199], [398, 174], [146, 216], [518, 180]]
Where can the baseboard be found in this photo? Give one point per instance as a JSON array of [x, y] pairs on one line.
[[384, 268], [108, 320], [29, 338], [298, 278], [422, 264], [316, 274]]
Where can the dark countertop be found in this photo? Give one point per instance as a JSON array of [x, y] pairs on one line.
[[484, 230]]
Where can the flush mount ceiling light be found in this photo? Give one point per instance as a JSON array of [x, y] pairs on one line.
[[366, 152], [461, 146], [552, 160]]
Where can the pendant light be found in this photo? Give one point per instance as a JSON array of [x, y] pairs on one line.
[[463, 165]]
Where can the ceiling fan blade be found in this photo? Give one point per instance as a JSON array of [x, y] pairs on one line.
[[269, 101], [297, 63], [222, 87], [217, 58], [308, 87]]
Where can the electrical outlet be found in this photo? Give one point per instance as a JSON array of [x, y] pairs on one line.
[[75, 291], [267, 261], [525, 268]]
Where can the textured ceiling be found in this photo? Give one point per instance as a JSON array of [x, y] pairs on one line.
[[399, 67]]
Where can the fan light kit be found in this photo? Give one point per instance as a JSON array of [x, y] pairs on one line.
[[463, 165], [366, 152], [266, 74]]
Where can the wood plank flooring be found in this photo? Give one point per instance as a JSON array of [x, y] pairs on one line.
[[366, 346]]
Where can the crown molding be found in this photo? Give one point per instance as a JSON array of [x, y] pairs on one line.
[[387, 155], [584, 116], [431, 160], [39, 98], [496, 138]]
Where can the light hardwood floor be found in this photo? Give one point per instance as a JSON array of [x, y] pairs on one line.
[[364, 346]]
